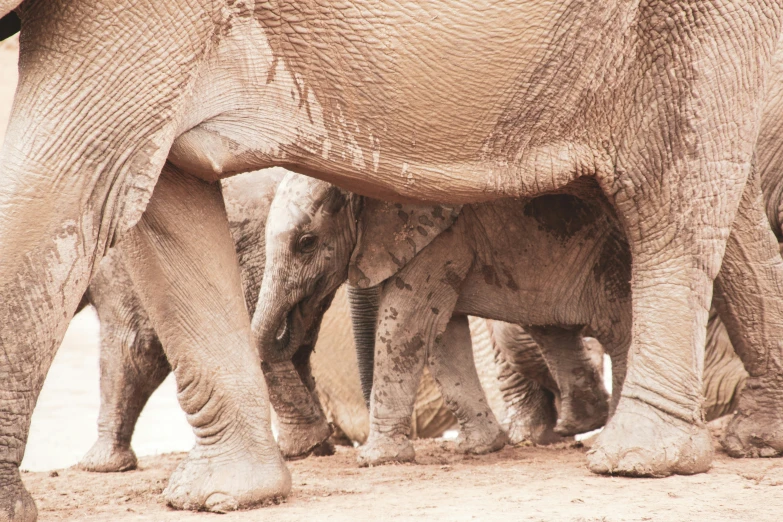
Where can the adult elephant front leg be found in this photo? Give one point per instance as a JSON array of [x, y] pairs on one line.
[[749, 299], [72, 180], [184, 266]]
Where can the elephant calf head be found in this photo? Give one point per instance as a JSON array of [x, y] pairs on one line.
[[317, 237]]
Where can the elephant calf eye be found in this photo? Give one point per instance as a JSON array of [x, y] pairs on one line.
[[307, 243]]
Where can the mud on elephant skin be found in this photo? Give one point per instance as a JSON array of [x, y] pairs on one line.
[[133, 363], [552, 235], [372, 242], [550, 92]]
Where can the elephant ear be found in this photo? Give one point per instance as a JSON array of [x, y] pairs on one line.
[[390, 234]]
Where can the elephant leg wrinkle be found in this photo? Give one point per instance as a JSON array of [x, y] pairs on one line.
[[181, 253], [749, 301]]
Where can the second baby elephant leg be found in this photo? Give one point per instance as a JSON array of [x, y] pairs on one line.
[[453, 368], [529, 391], [132, 365], [584, 402]]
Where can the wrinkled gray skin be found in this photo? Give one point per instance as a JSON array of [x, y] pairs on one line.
[[577, 249], [492, 258], [133, 363], [657, 101]]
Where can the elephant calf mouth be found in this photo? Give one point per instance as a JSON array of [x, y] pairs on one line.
[[283, 333], [288, 334]]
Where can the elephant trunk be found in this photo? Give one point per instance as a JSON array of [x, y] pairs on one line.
[[364, 315], [277, 324]]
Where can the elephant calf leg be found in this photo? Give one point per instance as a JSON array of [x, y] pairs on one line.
[[529, 391], [584, 402], [132, 365], [184, 267], [409, 324], [451, 365], [129, 376]]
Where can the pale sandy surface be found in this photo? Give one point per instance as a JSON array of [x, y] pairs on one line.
[[516, 484]]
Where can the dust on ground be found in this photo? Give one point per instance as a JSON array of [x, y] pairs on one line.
[[517, 483]]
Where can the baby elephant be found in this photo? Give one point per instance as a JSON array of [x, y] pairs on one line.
[[557, 264], [133, 364]]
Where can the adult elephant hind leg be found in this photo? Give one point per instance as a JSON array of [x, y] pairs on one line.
[[657, 428], [676, 186], [450, 361], [132, 365], [749, 299], [584, 402], [184, 266]]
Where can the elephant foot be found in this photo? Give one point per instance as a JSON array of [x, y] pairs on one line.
[[324, 449], [538, 433], [297, 441], [534, 424], [237, 479], [480, 443], [382, 449], [582, 413], [16, 504], [105, 457], [756, 429], [643, 441]]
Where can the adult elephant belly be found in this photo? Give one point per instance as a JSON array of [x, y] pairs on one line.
[[441, 101]]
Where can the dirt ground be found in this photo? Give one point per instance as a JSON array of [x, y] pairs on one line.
[[518, 483], [521, 483]]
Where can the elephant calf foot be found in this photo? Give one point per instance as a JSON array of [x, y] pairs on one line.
[[481, 442], [106, 456], [756, 429], [297, 441], [534, 419], [583, 412], [242, 477], [525, 429], [16, 504], [383, 449], [643, 441], [324, 449]]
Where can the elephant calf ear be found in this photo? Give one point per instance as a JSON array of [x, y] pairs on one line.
[[391, 234]]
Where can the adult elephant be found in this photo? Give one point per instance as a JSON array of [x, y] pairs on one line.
[[658, 101]]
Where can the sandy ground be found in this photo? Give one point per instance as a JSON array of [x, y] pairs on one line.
[[527, 483], [524, 483]]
